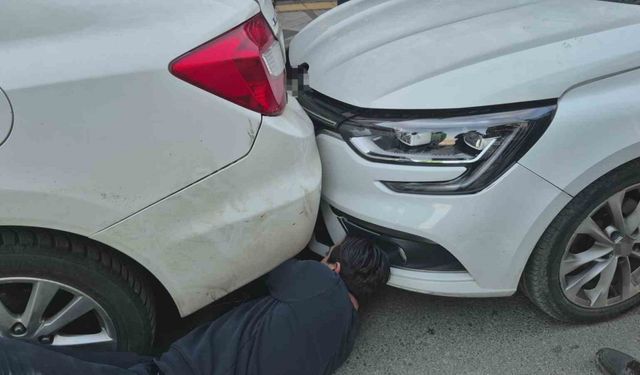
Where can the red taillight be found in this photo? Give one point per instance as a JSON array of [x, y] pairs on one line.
[[245, 66]]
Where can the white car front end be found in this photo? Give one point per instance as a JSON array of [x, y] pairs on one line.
[[452, 233], [490, 234], [447, 133]]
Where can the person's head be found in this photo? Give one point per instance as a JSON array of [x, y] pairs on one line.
[[363, 267]]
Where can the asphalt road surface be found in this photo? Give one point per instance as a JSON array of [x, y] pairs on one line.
[[409, 333]]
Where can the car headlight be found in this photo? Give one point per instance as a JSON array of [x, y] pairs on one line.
[[486, 144]]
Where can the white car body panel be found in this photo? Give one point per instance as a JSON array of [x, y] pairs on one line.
[[585, 141], [235, 225], [6, 117], [459, 54], [72, 40], [133, 154], [108, 144], [471, 227], [144, 127]]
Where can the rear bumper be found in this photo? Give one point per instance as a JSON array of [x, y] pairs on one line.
[[490, 233], [235, 225]]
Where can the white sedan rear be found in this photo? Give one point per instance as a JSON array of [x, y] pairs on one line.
[[145, 146]]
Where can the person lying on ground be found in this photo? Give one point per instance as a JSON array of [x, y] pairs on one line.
[[305, 325]]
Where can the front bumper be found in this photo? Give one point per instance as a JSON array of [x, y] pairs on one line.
[[491, 233]]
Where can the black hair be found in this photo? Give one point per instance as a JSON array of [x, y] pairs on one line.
[[364, 268]]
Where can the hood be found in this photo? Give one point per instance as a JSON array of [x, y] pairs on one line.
[[428, 54]]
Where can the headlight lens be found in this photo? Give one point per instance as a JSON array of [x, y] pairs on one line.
[[486, 144]]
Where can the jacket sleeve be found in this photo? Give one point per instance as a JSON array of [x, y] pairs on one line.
[[297, 280]]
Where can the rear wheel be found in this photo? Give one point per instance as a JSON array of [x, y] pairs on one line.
[[586, 266], [63, 290]]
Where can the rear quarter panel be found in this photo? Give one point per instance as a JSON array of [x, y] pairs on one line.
[[101, 128]]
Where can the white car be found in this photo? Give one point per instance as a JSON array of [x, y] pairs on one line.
[[146, 146], [484, 144]]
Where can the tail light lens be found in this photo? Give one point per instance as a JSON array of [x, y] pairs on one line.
[[245, 66]]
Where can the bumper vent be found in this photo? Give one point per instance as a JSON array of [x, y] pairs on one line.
[[405, 250]]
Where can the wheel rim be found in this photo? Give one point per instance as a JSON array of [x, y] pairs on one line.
[[53, 313], [601, 265]]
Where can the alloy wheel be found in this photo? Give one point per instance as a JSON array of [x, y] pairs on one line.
[[53, 313], [601, 264]]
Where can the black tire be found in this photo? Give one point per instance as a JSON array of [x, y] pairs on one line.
[[541, 280], [94, 269]]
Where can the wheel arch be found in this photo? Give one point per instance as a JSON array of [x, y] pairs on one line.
[[164, 299], [552, 212], [6, 116], [596, 130], [615, 160], [536, 281]]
